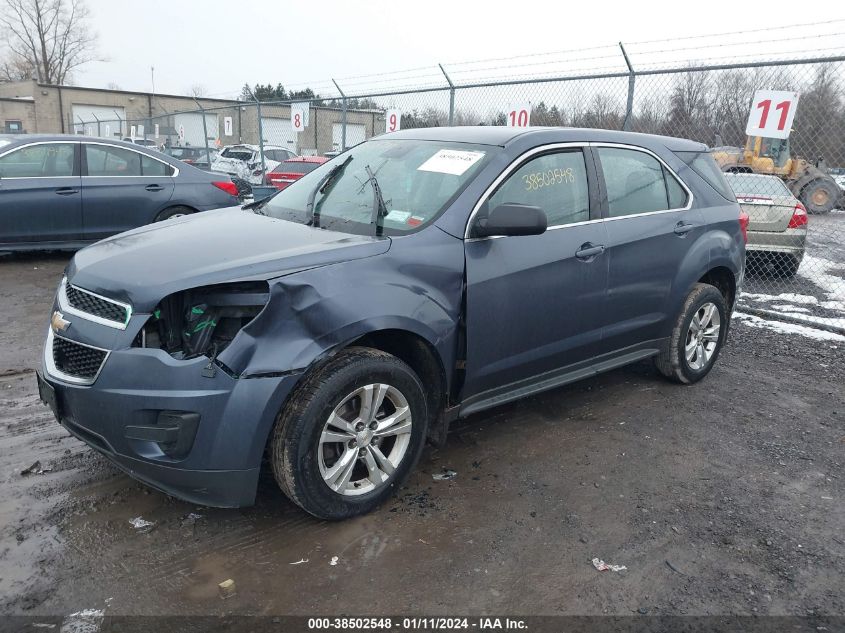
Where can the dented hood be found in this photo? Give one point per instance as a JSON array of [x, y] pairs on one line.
[[144, 265]]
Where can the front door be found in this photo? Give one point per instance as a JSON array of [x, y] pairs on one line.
[[121, 189], [535, 303], [40, 198]]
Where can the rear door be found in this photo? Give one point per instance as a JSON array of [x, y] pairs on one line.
[[535, 304], [40, 193], [121, 189], [650, 228]]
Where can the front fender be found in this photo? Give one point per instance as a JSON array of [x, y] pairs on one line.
[[314, 312]]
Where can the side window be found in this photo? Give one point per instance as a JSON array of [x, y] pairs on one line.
[[108, 160], [677, 194], [557, 183], [637, 183], [153, 167], [47, 160]]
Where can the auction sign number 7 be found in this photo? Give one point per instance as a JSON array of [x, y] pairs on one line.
[[772, 113]]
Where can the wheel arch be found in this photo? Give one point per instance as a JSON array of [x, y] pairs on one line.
[[724, 280], [421, 356]]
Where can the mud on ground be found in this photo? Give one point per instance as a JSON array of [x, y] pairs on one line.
[[721, 498]]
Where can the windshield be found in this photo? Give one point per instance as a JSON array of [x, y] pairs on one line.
[[752, 185], [237, 153], [418, 179]]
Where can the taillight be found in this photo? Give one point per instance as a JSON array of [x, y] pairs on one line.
[[228, 187], [743, 225], [799, 217]]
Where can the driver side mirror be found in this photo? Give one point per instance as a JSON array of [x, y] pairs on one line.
[[512, 219]]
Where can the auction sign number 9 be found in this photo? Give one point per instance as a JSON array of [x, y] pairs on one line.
[[393, 120], [772, 113]]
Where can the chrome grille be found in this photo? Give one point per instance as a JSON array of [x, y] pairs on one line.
[[98, 306], [77, 360]]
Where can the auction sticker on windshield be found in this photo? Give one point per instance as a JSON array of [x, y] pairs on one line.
[[451, 161]]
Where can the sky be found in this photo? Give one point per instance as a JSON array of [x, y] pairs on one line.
[[220, 44]]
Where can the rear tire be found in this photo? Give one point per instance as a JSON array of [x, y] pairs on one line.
[[820, 195], [693, 348], [173, 212], [336, 457], [787, 266]]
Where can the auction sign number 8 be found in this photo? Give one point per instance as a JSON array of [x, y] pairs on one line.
[[763, 122]]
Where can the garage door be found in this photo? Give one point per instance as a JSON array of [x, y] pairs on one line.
[[278, 131], [192, 124], [355, 133], [104, 121]]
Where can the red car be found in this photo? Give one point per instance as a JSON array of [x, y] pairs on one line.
[[293, 169]]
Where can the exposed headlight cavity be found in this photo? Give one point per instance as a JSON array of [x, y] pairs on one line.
[[203, 321]]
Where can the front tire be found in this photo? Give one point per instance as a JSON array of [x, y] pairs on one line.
[[697, 337], [350, 434], [173, 212]]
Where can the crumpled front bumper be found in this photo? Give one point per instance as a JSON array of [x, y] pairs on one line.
[[135, 386]]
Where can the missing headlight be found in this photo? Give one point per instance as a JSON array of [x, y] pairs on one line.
[[203, 321]]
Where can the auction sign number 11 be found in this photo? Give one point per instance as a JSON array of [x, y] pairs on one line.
[[762, 121]]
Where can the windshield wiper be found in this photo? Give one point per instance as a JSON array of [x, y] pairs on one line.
[[256, 205], [312, 218], [379, 207]]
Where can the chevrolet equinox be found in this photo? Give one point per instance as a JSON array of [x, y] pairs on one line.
[[412, 280]]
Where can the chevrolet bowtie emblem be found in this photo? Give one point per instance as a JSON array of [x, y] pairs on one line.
[[58, 323]]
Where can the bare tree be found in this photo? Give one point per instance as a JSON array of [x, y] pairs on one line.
[[15, 70], [46, 38], [196, 91], [113, 85]]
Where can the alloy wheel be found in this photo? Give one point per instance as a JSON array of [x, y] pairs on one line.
[[365, 439], [702, 336]]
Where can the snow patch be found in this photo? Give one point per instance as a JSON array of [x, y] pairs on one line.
[[820, 271], [786, 308], [789, 328], [785, 296]]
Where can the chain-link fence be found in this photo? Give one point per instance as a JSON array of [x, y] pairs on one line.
[[791, 188]]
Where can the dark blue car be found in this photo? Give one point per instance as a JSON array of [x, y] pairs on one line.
[[62, 192], [417, 278]]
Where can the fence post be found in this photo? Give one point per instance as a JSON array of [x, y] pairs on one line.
[[451, 95], [342, 118], [98, 125], [260, 131], [205, 133], [632, 77], [119, 124]]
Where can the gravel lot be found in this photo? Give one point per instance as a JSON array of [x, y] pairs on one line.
[[721, 498]]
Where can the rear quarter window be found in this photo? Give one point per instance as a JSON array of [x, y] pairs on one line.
[[703, 164]]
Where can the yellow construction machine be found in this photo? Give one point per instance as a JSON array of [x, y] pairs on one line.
[[811, 185]]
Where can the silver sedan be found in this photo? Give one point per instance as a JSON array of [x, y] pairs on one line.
[[777, 228]]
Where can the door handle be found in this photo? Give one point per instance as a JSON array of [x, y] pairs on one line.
[[682, 228], [154, 188], [589, 251], [66, 191]]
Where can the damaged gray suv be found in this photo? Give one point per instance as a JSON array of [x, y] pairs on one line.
[[415, 279]]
